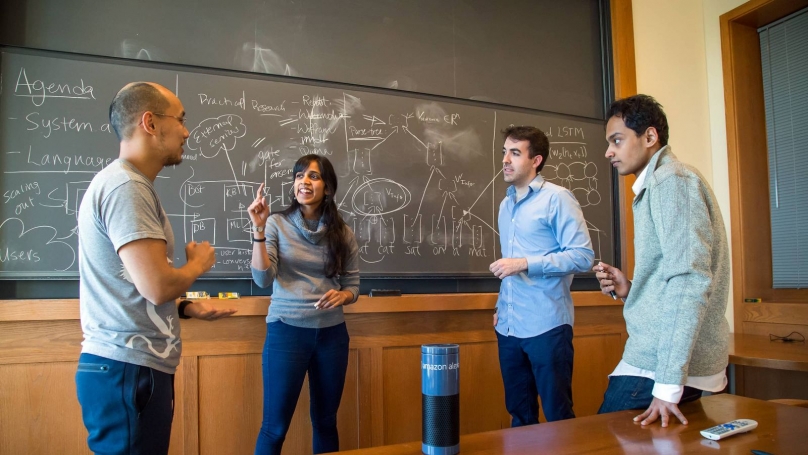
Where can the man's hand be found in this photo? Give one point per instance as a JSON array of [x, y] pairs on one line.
[[612, 279], [496, 319], [660, 408], [333, 299], [508, 266], [201, 254], [204, 310]]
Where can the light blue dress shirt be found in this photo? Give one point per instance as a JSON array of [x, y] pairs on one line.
[[547, 228]]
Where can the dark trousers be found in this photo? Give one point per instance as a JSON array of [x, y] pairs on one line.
[[537, 366], [289, 353], [634, 392], [126, 408]]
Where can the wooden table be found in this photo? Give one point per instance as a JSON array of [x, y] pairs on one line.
[[781, 430], [759, 351]]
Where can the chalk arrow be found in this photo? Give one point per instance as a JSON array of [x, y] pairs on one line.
[[466, 212]]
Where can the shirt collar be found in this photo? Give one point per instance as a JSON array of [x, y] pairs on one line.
[[638, 184], [533, 186]]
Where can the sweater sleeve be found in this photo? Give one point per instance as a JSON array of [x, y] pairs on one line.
[[350, 280], [265, 278], [684, 229]]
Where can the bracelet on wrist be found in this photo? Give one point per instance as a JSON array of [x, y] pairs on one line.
[[181, 309], [259, 240]]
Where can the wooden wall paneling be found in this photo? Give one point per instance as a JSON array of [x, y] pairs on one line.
[[482, 394], [770, 384], [218, 384], [40, 341], [402, 394], [740, 389], [186, 388], [68, 309], [377, 406], [365, 393], [596, 356], [399, 329], [765, 329], [776, 313], [39, 410], [348, 414], [235, 335], [599, 321], [230, 403], [179, 428]]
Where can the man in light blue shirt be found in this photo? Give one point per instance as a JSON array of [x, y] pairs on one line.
[[544, 242]]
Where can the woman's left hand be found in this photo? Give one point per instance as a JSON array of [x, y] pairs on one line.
[[333, 299]]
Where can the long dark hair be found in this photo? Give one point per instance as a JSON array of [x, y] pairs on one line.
[[337, 249]]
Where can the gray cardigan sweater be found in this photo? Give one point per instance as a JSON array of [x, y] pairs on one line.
[[297, 273], [675, 310]]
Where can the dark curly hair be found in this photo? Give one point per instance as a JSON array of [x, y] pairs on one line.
[[640, 112]]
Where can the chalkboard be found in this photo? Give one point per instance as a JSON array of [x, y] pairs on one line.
[[539, 54], [420, 180]]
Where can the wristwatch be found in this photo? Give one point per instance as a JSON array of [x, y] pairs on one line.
[[258, 228]]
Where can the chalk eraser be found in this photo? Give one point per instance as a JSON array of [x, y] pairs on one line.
[[229, 295], [384, 293]]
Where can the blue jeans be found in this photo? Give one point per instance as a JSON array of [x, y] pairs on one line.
[[289, 353], [634, 392], [537, 366], [126, 408]]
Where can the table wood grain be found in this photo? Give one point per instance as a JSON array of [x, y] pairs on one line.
[[781, 429]]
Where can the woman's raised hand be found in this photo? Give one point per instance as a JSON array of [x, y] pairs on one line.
[[259, 210]]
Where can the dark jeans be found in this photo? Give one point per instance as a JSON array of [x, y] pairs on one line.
[[289, 353], [537, 366], [634, 392], [126, 408]]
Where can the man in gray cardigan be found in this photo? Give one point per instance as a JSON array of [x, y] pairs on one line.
[[675, 305]]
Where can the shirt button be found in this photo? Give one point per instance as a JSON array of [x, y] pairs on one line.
[[513, 220]]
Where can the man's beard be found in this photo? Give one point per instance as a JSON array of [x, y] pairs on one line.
[[171, 161]]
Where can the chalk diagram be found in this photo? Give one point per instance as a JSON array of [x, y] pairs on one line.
[[387, 217], [580, 177], [425, 209]]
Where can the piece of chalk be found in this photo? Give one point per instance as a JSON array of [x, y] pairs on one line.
[[197, 295], [229, 295]]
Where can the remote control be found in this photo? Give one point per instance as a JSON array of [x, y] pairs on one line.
[[728, 429]]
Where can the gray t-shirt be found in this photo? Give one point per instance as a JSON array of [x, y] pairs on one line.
[[121, 206]]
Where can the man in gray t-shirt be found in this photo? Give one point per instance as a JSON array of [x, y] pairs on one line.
[[128, 284]]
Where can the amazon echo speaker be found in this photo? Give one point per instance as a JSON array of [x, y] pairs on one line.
[[440, 399]]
